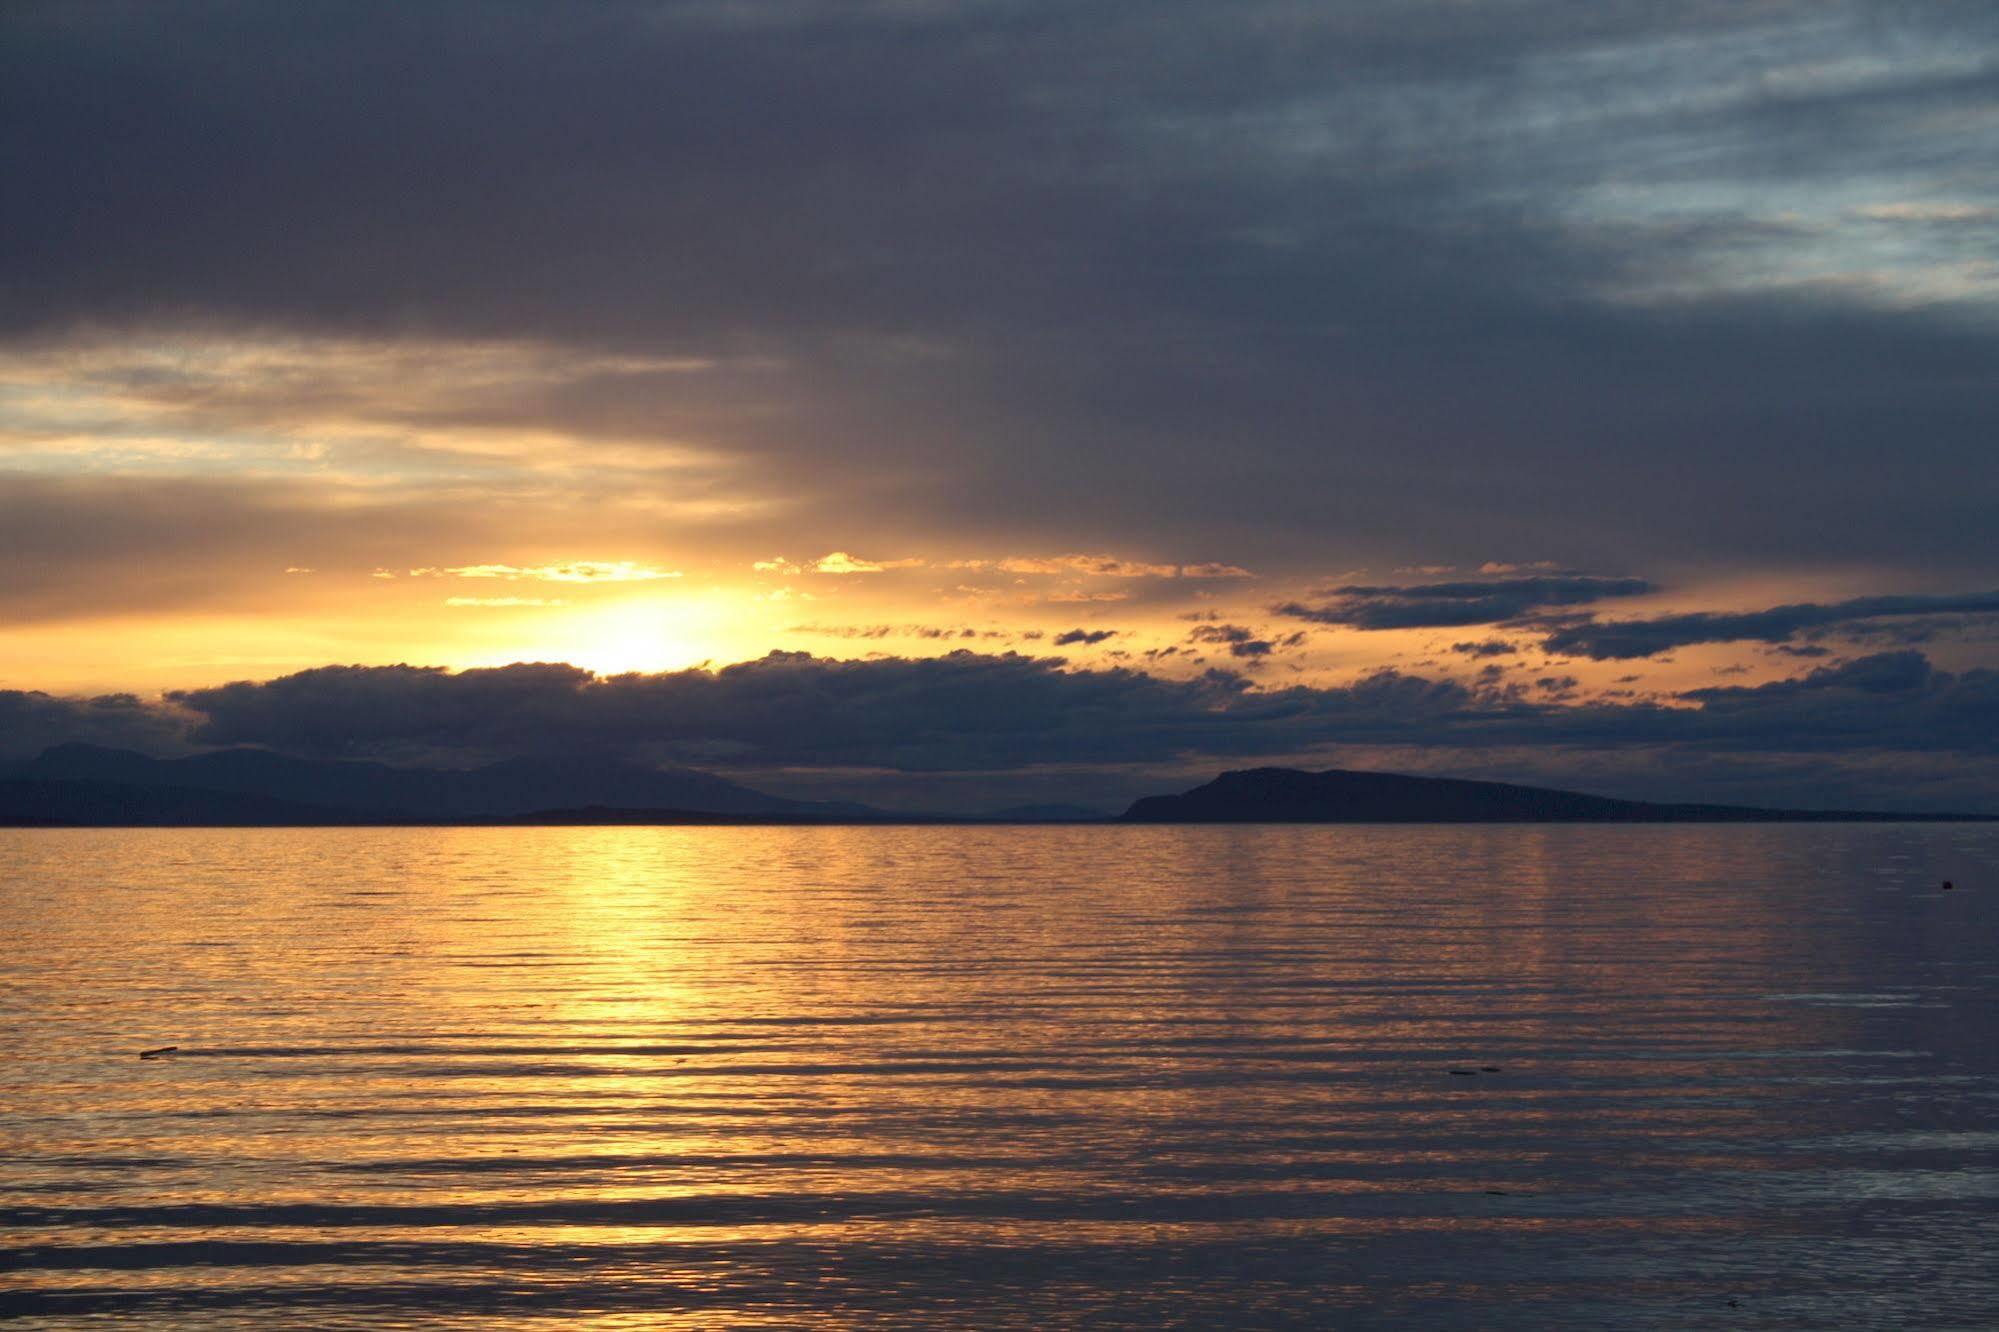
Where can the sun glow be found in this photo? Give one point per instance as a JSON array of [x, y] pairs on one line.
[[653, 633]]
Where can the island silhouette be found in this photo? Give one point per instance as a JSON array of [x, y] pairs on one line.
[[1288, 795], [80, 785]]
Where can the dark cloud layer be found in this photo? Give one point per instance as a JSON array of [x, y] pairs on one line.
[[961, 712], [1450, 605], [1488, 647], [1242, 642], [1435, 273], [1890, 701], [1612, 640], [31, 721], [967, 712], [1930, 736]]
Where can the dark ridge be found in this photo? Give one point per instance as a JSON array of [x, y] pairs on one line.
[[340, 791], [72, 804], [1286, 795], [52, 804], [85, 786]]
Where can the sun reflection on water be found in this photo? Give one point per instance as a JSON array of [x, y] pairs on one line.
[[1146, 1075]]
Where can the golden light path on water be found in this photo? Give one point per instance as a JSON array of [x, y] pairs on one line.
[[632, 1077]]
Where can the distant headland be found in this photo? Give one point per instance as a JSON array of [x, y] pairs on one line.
[[89, 786], [1287, 795]]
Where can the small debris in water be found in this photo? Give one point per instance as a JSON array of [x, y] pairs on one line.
[[1464, 1072], [1488, 1068], [1948, 885], [1497, 1193], [160, 1053]]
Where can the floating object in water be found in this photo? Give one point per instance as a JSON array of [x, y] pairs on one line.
[[1497, 1193], [1464, 1072], [1948, 885], [1488, 1068], [160, 1053]]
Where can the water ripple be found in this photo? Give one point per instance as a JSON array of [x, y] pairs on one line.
[[1011, 1077]]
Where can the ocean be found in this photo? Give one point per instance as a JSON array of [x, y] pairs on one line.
[[1344, 1077]]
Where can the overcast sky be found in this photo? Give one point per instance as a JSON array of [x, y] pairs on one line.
[[1079, 396]]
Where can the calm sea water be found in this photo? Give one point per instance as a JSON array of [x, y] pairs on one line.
[[1153, 1076]]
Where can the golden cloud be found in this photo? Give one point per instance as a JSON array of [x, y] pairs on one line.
[[579, 571]]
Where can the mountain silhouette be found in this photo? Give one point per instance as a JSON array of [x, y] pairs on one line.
[[79, 784], [29, 803], [1287, 795], [71, 783]]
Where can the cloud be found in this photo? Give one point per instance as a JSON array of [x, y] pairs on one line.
[[1076, 596], [963, 711], [869, 630], [1882, 673], [1930, 736], [1308, 287], [1490, 647], [967, 711], [30, 721], [1618, 640], [1085, 566], [1074, 567], [1050, 276], [1078, 566], [959, 712], [1890, 701], [80, 547], [930, 631], [840, 562], [1448, 605], [1241, 641], [1085, 637], [504, 601], [579, 571], [1928, 210]]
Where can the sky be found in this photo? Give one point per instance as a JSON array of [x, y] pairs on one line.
[[959, 403]]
